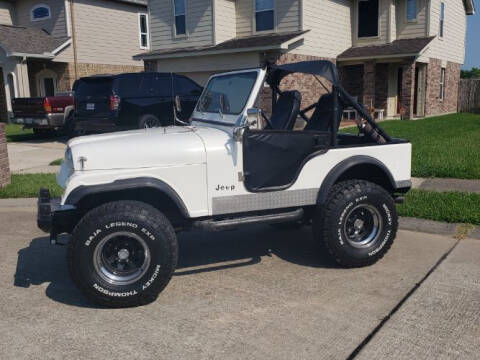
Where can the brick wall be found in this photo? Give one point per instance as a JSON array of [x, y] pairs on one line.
[[352, 80], [307, 85], [4, 167], [434, 105], [408, 90], [66, 72], [381, 86]]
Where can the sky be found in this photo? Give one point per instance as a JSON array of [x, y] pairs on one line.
[[472, 53]]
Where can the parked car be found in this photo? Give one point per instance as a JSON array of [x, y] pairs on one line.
[[126, 195], [43, 114], [131, 101]]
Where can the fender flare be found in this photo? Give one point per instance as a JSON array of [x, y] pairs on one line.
[[80, 192], [344, 166]]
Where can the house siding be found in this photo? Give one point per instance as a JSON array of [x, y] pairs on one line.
[[199, 22], [326, 20], [418, 28], [452, 46], [107, 32], [6, 13], [287, 16], [56, 25], [225, 20]]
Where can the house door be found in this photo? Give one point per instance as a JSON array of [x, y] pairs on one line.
[[392, 101], [419, 90], [47, 83]]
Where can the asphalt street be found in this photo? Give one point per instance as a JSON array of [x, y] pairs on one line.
[[258, 293]]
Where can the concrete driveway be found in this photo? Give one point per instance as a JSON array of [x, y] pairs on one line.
[[35, 156], [257, 293]]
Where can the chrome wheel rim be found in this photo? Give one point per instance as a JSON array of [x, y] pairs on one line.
[[121, 258], [362, 226], [151, 123]]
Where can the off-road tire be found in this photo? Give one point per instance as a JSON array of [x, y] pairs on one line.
[[133, 217], [330, 222]]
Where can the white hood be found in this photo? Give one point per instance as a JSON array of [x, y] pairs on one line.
[[144, 148]]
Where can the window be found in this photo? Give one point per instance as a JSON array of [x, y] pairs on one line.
[[367, 18], [40, 12], [442, 18], [442, 84], [186, 87], [143, 30], [179, 13], [411, 10], [264, 15], [220, 88]]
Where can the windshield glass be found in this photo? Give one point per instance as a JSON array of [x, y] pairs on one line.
[[227, 94], [93, 87]]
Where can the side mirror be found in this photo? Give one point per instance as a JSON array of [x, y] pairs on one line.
[[178, 104], [254, 117]]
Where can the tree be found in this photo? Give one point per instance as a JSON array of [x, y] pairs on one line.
[[473, 73]]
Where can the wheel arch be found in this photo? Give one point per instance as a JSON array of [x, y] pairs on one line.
[[149, 190], [360, 167]]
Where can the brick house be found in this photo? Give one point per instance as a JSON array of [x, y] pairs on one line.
[[403, 56], [46, 44]]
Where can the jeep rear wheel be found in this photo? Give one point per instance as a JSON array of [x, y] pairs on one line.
[[123, 254], [358, 223]]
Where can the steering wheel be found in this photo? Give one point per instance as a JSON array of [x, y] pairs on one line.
[[269, 123]]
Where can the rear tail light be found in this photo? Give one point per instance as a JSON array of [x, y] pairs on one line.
[[114, 102], [47, 106]]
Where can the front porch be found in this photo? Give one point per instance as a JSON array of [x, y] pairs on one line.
[[388, 77], [393, 88]]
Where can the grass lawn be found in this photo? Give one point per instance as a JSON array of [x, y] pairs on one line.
[[444, 146], [452, 207], [28, 185], [15, 133]]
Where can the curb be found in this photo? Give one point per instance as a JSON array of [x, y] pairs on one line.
[[404, 223]]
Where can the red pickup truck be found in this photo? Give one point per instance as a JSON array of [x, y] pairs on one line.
[[43, 114]]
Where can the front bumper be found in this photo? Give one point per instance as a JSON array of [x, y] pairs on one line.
[[54, 218]]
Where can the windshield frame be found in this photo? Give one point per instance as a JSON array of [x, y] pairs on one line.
[[231, 120]]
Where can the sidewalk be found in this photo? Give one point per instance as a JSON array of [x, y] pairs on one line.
[[443, 184]]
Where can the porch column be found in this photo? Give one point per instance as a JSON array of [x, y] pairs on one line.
[[408, 91], [369, 83]]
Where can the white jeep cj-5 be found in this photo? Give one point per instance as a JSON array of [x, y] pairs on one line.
[[128, 193]]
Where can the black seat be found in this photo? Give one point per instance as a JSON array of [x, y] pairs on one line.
[[285, 111], [321, 119]]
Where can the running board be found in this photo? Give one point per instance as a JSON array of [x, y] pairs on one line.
[[229, 224]]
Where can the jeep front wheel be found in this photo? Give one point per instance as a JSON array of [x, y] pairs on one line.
[[123, 254], [358, 223]]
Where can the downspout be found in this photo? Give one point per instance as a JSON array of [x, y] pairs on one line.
[[74, 41]]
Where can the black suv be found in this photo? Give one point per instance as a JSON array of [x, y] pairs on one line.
[[131, 101]]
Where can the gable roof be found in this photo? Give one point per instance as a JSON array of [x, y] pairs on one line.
[[28, 41], [239, 44], [397, 48]]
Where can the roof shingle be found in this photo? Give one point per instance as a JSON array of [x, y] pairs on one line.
[[396, 48], [28, 40], [256, 41]]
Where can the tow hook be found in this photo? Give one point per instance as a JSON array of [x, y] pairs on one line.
[[399, 199]]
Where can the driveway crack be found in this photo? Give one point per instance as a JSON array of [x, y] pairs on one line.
[[371, 335]]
